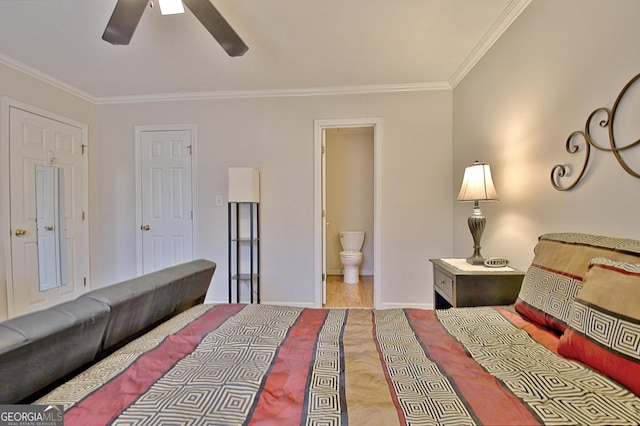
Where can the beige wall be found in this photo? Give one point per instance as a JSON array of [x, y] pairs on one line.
[[350, 188], [21, 87], [275, 135], [557, 63]]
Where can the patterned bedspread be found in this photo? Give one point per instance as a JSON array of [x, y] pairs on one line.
[[261, 364]]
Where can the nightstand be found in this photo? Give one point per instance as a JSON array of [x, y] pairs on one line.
[[472, 285]]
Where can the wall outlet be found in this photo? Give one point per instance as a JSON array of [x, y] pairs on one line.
[[218, 200]]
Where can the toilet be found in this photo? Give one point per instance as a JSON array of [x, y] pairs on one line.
[[351, 256]]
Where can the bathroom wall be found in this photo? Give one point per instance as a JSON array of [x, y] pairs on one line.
[[349, 178]]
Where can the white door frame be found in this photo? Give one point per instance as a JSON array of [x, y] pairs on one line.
[[318, 127], [6, 104], [194, 223]]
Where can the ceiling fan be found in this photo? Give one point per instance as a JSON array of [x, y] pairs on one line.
[[127, 14]]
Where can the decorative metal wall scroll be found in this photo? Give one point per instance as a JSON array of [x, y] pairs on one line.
[[579, 137]]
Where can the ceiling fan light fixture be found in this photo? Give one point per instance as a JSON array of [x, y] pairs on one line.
[[171, 7], [127, 14]]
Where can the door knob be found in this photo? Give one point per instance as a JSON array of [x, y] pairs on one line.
[[20, 232], [48, 228], [145, 227]]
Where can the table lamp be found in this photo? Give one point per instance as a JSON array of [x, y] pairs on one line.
[[477, 185]]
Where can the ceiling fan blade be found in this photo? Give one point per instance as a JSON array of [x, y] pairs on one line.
[[219, 28], [124, 21]]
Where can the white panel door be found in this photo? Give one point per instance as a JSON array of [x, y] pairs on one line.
[[38, 140], [166, 192]]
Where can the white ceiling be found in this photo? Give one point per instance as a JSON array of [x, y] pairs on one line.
[[294, 46]]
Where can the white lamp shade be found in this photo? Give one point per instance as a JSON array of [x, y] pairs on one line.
[[477, 184], [244, 185], [171, 7]]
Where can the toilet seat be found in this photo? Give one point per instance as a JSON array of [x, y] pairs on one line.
[[350, 253]]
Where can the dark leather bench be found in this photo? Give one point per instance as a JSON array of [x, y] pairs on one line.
[[40, 348]]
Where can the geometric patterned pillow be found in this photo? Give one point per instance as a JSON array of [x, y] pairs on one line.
[[546, 296], [604, 322], [557, 270]]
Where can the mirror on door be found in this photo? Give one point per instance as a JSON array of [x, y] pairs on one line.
[[50, 222]]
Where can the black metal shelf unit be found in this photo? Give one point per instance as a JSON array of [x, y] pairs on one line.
[[244, 250]]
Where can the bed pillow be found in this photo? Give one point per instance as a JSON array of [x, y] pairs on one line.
[[557, 270], [603, 331], [552, 281]]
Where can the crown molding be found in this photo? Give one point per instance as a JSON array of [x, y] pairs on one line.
[[278, 93], [508, 16], [45, 78], [224, 94]]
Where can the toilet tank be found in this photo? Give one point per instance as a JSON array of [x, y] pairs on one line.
[[351, 240]]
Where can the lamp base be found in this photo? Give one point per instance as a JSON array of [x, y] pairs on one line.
[[476, 224]]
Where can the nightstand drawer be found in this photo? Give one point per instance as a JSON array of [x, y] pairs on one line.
[[444, 284]]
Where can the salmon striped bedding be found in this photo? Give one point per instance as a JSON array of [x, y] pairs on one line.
[[277, 365]]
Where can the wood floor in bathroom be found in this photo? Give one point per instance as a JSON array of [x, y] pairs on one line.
[[341, 295]]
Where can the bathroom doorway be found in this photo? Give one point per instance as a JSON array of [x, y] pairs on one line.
[[349, 207], [346, 194]]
